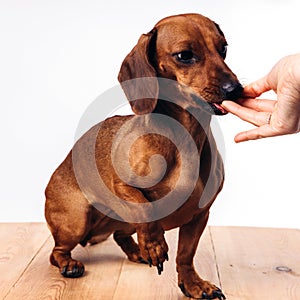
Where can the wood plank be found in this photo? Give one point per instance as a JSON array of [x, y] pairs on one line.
[[18, 245], [141, 282], [247, 259], [103, 263], [109, 275], [250, 260], [205, 260]]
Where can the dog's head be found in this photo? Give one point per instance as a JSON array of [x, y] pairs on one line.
[[188, 48]]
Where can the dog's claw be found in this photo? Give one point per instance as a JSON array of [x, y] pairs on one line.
[[160, 268], [218, 294], [74, 273], [150, 262], [142, 261], [63, 271], [181, 286], [166, 256]]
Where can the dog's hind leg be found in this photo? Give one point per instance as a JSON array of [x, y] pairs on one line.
[[124, 239], [61, 257], [69, 228]]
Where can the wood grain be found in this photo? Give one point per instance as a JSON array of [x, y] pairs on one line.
[[142, 282], [248, 261], [103, 263], [19, 243]]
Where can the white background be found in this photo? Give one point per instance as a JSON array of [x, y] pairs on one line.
[[56, 57]]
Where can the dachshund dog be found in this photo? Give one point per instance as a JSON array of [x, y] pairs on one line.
[[179, 69]]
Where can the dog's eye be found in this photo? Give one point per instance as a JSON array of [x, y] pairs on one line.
[[223, 51], [186, 57]]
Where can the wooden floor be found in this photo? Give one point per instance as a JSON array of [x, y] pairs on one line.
[[247, 263]]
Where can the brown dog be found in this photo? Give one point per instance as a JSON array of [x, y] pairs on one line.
[[186, 49]]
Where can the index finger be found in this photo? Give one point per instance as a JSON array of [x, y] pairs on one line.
[[238, 110], [265, 105], [247, 114], [257, 87]]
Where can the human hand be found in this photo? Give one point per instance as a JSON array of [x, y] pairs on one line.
[[272, 118]]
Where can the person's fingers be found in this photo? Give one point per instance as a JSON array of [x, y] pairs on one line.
[[257, 87], [258, 104], [247, 114], [256, 133]]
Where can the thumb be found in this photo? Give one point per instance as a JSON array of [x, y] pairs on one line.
[[257, 88]]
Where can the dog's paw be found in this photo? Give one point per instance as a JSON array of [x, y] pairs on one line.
[[137, 258], [215, 293], [73, 269], [152, 244], [193, 286], [157, 255]]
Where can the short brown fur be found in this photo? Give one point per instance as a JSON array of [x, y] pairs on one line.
[[72, 219]]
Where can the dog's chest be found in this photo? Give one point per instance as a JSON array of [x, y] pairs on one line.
[[184, 214]]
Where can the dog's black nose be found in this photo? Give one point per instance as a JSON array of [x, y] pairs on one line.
[[232, 91]]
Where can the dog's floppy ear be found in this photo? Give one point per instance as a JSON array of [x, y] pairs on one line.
[[219, 29], [138, 64]]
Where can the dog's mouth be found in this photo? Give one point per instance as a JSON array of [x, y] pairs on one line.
[[213, 100], [218, 109], [213, 108]]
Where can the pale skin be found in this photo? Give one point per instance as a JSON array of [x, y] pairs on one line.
[[271, 117]]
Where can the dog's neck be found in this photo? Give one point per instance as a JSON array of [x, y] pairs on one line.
[[195, 120]]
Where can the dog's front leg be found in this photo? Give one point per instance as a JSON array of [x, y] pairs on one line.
[[150, 235], [188, 280], [153, 246]]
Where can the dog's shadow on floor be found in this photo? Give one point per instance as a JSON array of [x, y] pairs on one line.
[[106, 252]]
